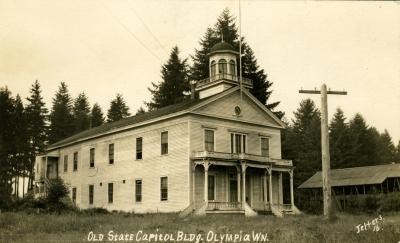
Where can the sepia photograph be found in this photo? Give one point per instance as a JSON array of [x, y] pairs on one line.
[[199, 121]]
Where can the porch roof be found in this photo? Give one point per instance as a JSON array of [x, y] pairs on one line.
[[366, 175]]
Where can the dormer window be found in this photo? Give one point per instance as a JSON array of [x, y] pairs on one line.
[[213, 68], [222, 66], [232, 67]]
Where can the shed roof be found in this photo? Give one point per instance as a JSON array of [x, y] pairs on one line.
[[365, 175]]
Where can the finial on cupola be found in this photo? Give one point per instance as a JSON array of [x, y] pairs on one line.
[[222, 35]]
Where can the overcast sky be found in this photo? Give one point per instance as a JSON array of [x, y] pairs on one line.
[[108, 47]]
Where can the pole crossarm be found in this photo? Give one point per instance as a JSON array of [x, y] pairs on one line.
[[319, 92]]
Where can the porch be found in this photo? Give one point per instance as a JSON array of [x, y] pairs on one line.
[[46, 168], [241, 183]]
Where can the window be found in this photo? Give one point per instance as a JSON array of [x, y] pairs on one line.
[[238, 143], [264, 146], [222, 66], [91, 193], [111, 153], [65, 163], [139, 147], [213, 69], [75, 161], [164, 188], [92, 157], [211, 187], [110, 192], [232, 67], [209, 140], [164, 143], [138, 190], [74, 194]]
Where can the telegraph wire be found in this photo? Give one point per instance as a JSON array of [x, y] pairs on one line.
[[130, 32], [148, 30]]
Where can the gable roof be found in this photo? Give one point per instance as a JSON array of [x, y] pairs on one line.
[[365, 175], [160, 114]]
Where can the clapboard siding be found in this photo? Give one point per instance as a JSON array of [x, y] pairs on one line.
[[174, 165]]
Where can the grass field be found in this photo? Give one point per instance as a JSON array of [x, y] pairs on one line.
[[21, 227]]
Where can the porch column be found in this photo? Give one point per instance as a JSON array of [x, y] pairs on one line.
[[280, 189], [265, 187], [238, 184], [244, 166], [206, 165], [270, 186], [194, 184], [291, 189]]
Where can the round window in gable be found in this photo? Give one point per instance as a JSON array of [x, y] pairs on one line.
[[238, 110]]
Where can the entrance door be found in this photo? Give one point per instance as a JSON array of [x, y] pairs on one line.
[[233, 189]]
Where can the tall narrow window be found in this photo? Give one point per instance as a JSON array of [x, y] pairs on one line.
[[213, 69], [164, 188], [232, 67], [164, 143], [238, 143], [110, 192], [139, 148], [65, 163], [74, 194], [138, 190], [111, 153], [222, 66], [91, 193], [209, 140], [265, 146], [92, 157], [211, 187], [75, 161]]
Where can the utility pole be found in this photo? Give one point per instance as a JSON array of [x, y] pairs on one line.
[[326, 163]]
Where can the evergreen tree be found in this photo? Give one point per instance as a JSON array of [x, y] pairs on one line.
[[397, 159], [61, 117], [6, 147], [96, 116], [141, 110], [226, 27], [36, 119], [386, 149], [81, 112], [118, 109], [339, 140], [174, 83]]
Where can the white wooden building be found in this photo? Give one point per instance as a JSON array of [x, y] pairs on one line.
[[220, 153]]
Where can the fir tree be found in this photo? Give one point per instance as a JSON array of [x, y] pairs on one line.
[[81, 113], [118, 109], [339, 140], [174, 83], [226, 27], [36, 118], [386, 149], [61, 117], [141, 110], [96, 116]]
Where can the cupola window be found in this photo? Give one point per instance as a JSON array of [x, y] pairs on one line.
[[232, 67], [213, 68], [222, 66]]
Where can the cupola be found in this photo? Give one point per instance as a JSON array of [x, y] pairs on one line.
[[223, 71]]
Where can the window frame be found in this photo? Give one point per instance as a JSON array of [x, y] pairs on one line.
[[164, 149], [110, 193], [111, 156], [92, 157], [91, 194], [76, 160], [214, 187], [269, 146], [232, 67], [205, 142], [141, 148], [222, 63], [136, 191], [243, 141], [213, 68], [161, 188], [65, 163], [73, 196]]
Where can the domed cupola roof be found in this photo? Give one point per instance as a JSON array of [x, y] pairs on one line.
[[222, 47]]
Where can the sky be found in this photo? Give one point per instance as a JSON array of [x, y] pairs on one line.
[[107, 47]]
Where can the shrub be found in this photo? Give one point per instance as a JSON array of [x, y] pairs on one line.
[[390, 202]]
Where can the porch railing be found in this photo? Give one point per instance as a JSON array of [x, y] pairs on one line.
[[215, 206], [242, 156]]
